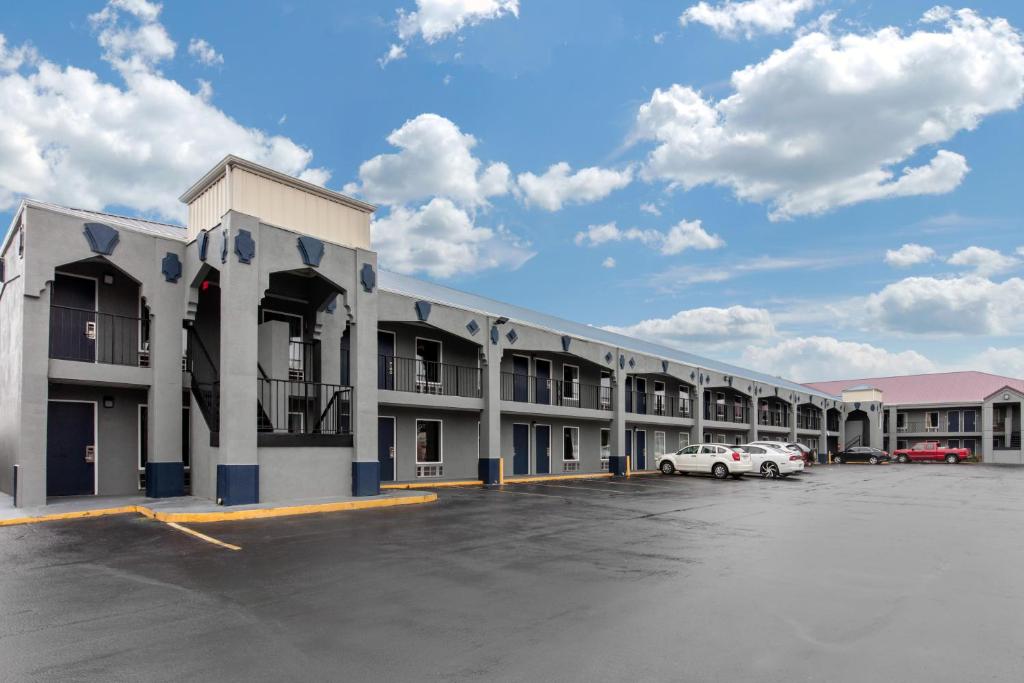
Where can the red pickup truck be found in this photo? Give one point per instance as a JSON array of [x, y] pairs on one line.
[[927, 451]]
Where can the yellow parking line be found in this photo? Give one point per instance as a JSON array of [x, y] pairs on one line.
[[208, 539]]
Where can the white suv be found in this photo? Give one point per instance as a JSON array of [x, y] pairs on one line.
[[719, 461], [771, 461]]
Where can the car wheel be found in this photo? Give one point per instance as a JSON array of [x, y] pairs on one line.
[[952, 459], [903, 459], [720, 471], [873, 460], [837, 459], [667, 468], [769, 470]]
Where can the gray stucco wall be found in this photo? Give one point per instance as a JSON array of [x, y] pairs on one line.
[[296, 473], [459, 445], [117, 438], [204, 456], [12, 298], [589, 444]]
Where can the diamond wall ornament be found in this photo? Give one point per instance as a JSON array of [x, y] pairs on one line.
[[473, 327], [512, 336], [608, 357], [494, 334], [622, 361], [632, 362]]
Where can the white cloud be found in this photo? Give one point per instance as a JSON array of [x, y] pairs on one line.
[[434, 20], [441, 239], [689, 235], [13, 59], [968, 305], [680, 237], [651, 209], [837, 120], [983, 261], [559, 186], [435, 159], [813, 358], [68, 136], [909, 255], [1008, 362], [748, 18], [608, 263], [659, 38], [204, 52], [703, 325]]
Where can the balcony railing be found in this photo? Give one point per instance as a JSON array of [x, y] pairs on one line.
[[773, 418], [913, 427], [727, 412], [808, 421], [555, 392], [304, 361], [93, 337], [427, 377], [641, 403], [303, 408]]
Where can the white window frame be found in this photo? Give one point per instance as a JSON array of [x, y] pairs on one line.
[[574, 399], [440, 440], [300, 362], [569, 429], [426, 386], [606, 396], [660, 436], [605, 456], [928, 425], [901, 422], [963, 418], [720, 438], [684, 436]]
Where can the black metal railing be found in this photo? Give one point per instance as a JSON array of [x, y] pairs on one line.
[[808, 421], [205, 379], [555, 392], [304, 361], [917, 427], [293, 407], [832, 423], [428, 377], [644, 403], [727, 412], [93, 337], [773, 418]]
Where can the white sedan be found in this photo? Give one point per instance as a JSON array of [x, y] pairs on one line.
[[773, 461], [717, 460]]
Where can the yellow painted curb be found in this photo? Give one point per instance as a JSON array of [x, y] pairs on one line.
[[430, 485], [228, 515], [557, 477]]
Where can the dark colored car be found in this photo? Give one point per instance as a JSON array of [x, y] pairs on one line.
[[861, 454]]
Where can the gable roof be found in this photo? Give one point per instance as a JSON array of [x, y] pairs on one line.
[[941, 387], [413, 287], [166, 230]]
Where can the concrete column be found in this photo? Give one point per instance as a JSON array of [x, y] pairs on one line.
[[987, 432], [823, 436], [33, 406], [490, 419], [238, 464], [875, 423], [752, 418], [165, 470], [617, 443], [332, 329], [363, 337], [698, 411], [893, 433], [792, 420]]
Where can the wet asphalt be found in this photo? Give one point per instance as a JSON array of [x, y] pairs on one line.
[[846, 573]]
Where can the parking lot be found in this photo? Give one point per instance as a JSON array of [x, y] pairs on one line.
[[846, 573]]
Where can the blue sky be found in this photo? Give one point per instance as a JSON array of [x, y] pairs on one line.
[[747, 170]]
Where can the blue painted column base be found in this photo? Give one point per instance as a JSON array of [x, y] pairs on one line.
[[489, 470], [165, 479], [617, 465], [365, 478], [238, 484]]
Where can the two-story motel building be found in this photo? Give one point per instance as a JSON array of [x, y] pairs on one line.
[[258, 354]]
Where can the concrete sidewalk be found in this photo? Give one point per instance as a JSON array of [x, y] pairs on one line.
[[193, 509]]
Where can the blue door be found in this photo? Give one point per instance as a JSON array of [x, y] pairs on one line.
[[70, 440], [542, 439], [629, 395], [520, 379], [520, 449], [543, 382], [641, 449], [386, 447], [641, 396], [73, 328]]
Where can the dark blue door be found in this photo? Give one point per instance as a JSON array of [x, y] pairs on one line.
[[520, 379], [543, 382], [542, 438], [641, 397], [70, 438], [385, 360], [641, 450], [629, 395], [73, 318], [386, 447], [520, 449]]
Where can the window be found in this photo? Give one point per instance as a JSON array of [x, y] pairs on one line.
[[901, 444], [953, 421], [606, 390], [571, 443], [684, 439], [296, 352], [739, 440], [720, 438], [690, 450], [970, 421], [659, 445], [953, 443], [428, 361], [659, 398], [756, 450], [606, 444], [570, 383], [297, 407], [931, 422], [428, 441], [969, 445], [708, 437], [901, 422]]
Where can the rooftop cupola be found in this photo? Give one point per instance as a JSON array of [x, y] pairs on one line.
[[276, 199]]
